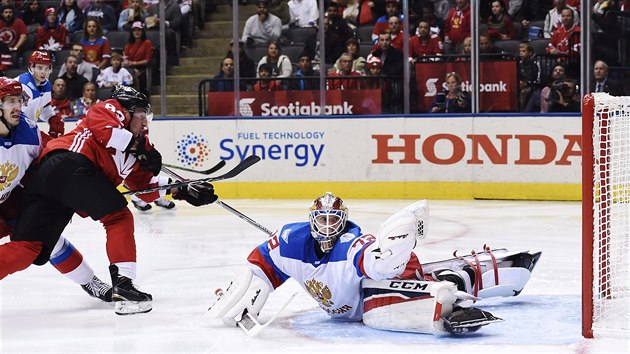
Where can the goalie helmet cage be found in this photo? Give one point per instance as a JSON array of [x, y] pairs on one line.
[[605, 215]]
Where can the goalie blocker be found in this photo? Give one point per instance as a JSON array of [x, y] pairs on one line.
[[418, 306]]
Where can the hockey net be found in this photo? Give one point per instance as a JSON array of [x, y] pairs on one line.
[[605, 215]]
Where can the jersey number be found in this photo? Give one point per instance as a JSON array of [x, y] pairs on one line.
[[119, 114], [273, 242]]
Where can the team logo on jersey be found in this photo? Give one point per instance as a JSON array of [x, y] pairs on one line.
[[8, 173], [319, 292], [192, 150]]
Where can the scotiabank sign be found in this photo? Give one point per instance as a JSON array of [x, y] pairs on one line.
[[498, 87], [295, 103]]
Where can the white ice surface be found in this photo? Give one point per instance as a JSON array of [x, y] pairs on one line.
[[186, 253]]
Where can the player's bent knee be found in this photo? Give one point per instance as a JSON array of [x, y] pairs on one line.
[[407, 305]]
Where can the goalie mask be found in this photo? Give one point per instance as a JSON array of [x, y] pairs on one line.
[[327, 216]]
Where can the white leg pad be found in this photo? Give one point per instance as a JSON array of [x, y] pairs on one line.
[[407, 305], [511, 282], [233, 294]]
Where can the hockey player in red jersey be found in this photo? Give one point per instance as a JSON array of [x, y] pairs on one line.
[[80, 171], [22, 144]]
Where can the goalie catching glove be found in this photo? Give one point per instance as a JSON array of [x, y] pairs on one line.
[[150, 159], [196, 194]]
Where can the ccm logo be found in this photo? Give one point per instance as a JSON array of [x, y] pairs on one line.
[[407, 285]]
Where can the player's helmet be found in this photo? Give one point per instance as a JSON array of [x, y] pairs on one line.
[[9, 87], [40, 57], [328, 216], [131, 99]]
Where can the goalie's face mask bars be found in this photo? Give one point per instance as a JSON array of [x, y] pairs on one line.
[[327, 216]]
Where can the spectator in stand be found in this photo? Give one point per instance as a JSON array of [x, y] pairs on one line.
[[309, 78], [345, 63], [528, 79], [172, 21], [114, 74], [558, 75], [500, 25], [374, 80], [84, 69], [486, 46], [71, 16], [424, 42], [224, 80], [61, 104], [52, 36], [138, 53], [74, 81], [392, 8], [359, 63], [96, 48], [32, 13], [367, 14], [563, 97], [392, 58], [337, 33], [264, 72], [553, 20], [303, 13], [453, 99], [395, 30], [466, 47], [262, 27], [279, 63], [134, 13], [247, 67], [14, 34], [601, 82], [87, 100], [457, 25], [350, 12], [104, 13], [566, 38]]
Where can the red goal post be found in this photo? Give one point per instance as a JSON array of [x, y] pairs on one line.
[[605, 215]]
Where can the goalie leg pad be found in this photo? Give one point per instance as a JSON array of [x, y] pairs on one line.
[[407, 305], [229, 297], [511, 282]]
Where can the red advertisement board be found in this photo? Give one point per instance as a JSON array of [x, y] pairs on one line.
[[293, 103], [498, 83]]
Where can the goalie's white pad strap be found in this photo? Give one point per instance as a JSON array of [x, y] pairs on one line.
[[407, 305]]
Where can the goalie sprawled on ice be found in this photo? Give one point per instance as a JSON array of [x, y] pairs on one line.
[[379, 280]]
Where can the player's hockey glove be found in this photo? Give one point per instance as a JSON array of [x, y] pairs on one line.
[[150, 159], [197, 194]]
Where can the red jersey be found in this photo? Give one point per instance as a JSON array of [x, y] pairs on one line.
[[96, 51], [418, 48], [343, 84], [138, 51], [59, 34], [10, 35], [457, 25], [565, 41], [101, 137]]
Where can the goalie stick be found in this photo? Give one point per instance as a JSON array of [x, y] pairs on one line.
[[225, 206], [250, 325], [211, 170], [242, 166]]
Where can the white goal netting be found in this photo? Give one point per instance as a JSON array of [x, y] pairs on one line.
[[611, 215]]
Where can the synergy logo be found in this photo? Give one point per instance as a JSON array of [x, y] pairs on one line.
[[192, 150], [245, 107]]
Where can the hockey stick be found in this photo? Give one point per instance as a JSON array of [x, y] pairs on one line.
[[222, 204], [250, 325], [242, 166], [211, 170]]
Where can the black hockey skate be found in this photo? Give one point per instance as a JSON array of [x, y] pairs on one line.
[[129, 300], [468, 320], [98, 289], [141, 205], [164, 203]]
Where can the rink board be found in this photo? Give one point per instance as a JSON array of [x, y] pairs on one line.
[[454, 157]]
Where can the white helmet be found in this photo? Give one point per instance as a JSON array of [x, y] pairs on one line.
[[327, 216]]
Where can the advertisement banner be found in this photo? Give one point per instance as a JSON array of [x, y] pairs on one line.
[[294, 103], [498, 86]]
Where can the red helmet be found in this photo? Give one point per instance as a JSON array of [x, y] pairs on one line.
[[9, 87], [40, 57]]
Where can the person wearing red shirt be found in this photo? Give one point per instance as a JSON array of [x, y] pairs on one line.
[[264, 72], [79, 173], [52, 35], [566, 39], [13, 33], [345, 63], [457, 25], [500, 25], [425, 43], [61, 104], [138, 53]]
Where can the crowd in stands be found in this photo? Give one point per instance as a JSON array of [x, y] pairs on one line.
[[542, 36]]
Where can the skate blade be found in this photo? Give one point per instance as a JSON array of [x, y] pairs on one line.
[[132, 307]]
